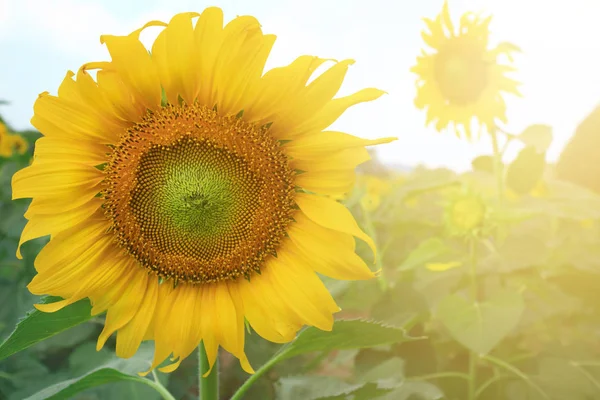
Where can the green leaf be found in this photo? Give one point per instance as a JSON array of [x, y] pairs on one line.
[[37, 325], [483, 163], [481, 326], [567, 379], [537, 136], [518, 251], [346, 334], [313, 387], [392, 368], [379, 380], [414, 391], [425, 252], [424, 181], [68, 388], [112, 371], [526, 170]]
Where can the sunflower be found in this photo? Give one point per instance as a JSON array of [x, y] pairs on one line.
[[465, 213], [374, 188], [463, 79], [9, 143], [186, 193]]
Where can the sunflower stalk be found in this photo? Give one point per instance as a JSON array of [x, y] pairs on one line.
[[372, 232], [239, 394], [474, 292], [209, 385], [498, 170]]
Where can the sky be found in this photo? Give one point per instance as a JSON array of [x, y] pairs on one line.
[[40, 40]]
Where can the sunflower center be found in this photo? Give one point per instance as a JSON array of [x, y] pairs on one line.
[[462, 71], [198, 197]]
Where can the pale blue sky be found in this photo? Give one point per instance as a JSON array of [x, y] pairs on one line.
[[560, 68]]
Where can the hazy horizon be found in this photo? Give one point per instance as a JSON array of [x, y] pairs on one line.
[[384, 38]]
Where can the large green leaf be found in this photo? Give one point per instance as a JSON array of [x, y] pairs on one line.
[[538, 136], [414, 391], [111, 371], [385, 379], [423, 181], [429, 250], [67, 389], [565, 379], [314, 387], [483, 164], [481, 326], [37, 325], [526, 170], [346, 334]]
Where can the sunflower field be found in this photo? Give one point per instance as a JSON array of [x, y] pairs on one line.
[[181, 225]]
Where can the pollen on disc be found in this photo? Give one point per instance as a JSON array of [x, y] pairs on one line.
[[198, 197]]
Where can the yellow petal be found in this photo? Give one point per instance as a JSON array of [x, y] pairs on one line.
[[125, 308], [327, 182], [442, 266], [90, 98], [292, 283], [131, 61], [278, 89], [62, 263], [208, 37], [333, 110], [174, 55], [229, 325], [345, 159], [240, 62], [104, 275], [331, 252], [46, 224], [121, 99], [52, 180], [333, 215], [323, 143], [164, 304], [59, 118], [70, 151], [130, 336], [266, 312]]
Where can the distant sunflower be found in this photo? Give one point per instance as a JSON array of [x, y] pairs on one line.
[[185, 192], [374, 189], [465, 213], [463, 78], [11, 143]]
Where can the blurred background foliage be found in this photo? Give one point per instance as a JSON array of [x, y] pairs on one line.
[[500, 289]]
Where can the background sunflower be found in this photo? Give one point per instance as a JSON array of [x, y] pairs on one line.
[[463, 79]]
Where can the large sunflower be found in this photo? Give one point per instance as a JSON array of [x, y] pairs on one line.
[[463, 78], [185, 192]]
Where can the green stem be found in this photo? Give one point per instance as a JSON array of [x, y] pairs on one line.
[[514, 370], [156, 385], [586, 373], [489, 383], [498, 170], [473, 269], [472, 375], [437, 375], [209, 386], [474, 295], [253, 378], [372, 232]]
